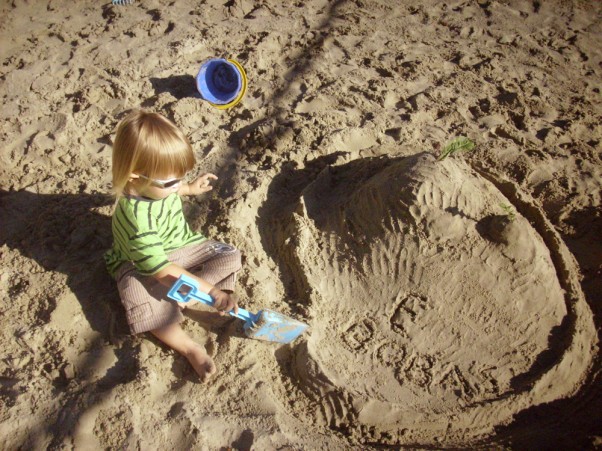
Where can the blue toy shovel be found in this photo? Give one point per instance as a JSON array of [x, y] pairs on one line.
[[264, 325]]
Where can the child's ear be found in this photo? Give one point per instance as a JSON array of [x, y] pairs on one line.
[[133, 177]]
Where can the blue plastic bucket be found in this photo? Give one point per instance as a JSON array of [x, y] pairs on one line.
[[219, 81]]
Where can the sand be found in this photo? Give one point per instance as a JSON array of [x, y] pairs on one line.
[[452, 303]]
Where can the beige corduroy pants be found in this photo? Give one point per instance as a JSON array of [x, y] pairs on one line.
[[145, 300]]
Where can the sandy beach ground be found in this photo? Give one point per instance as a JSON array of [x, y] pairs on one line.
[[452, 303]]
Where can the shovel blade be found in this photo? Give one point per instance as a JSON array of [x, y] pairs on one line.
[[274, 326]]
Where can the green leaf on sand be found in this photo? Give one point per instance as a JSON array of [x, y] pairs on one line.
[[508, 211], [459, 144]]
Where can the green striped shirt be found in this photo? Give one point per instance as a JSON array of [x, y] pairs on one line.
[[146, 230]]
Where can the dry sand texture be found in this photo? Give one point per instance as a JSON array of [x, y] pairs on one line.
[[437, 317]]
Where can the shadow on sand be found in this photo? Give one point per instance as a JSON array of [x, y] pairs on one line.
[[68, 233]]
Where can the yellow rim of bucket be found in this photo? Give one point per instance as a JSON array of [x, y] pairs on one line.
[[242, 92]]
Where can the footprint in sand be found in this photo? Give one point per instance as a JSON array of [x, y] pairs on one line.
[[418, 312]]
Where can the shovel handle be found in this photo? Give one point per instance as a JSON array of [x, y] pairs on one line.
[[187, 288]]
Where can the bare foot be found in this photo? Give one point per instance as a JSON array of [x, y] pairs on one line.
[[173, 336], [201, 362]]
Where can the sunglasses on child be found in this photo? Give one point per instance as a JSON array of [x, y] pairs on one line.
[[164, 184]]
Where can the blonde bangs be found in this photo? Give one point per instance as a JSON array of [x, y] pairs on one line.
[[151, 145], [163, 151]]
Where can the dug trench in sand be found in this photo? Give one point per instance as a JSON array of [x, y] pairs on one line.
[[430, 304]]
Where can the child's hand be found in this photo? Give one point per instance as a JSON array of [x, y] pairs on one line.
[[201, 185], [223, 301]]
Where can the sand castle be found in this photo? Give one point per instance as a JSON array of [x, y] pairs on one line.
[[424, 307]]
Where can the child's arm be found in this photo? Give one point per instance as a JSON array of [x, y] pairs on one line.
[[199, 186], [223, 301]]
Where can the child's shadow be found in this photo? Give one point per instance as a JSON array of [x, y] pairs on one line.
[[66, 233]]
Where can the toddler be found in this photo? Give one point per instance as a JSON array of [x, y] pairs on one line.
[[152, 242]]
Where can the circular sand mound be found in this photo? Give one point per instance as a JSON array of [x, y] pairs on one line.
[[429, 300]]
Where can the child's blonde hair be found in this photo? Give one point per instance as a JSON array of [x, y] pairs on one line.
[[151, 145]]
